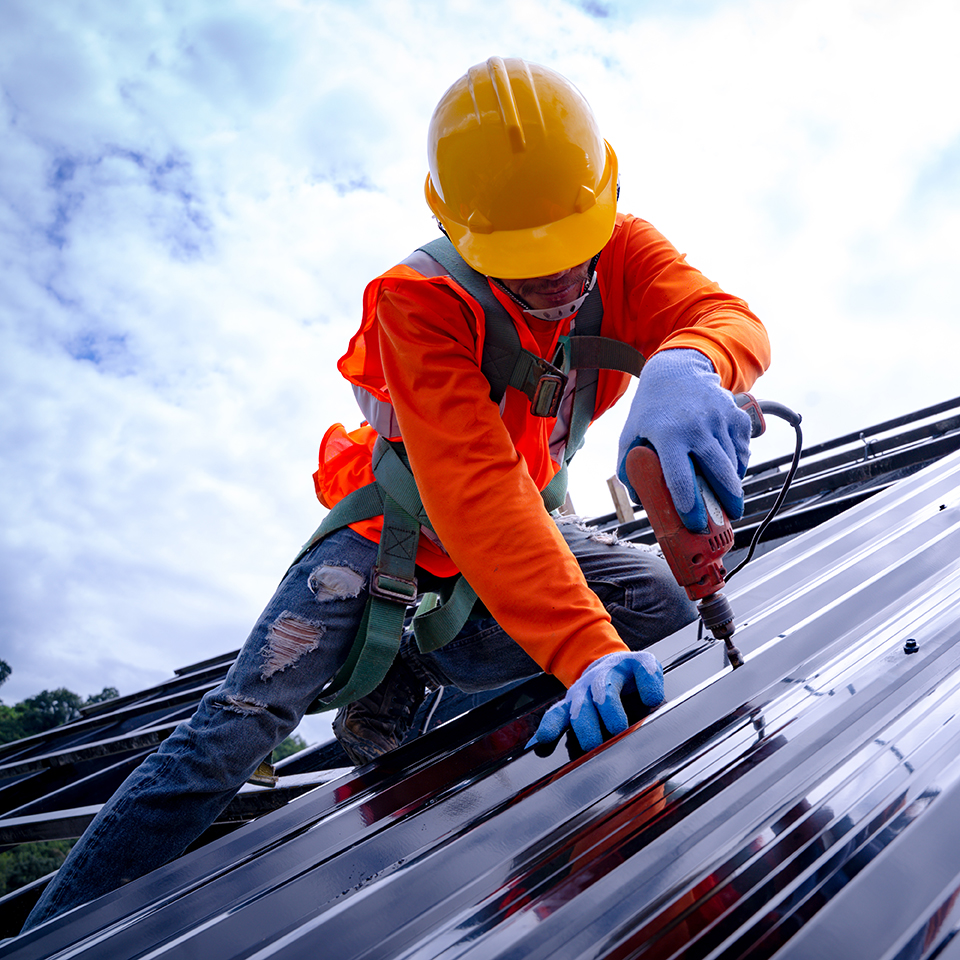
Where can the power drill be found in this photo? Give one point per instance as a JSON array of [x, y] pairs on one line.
[[695, 558]]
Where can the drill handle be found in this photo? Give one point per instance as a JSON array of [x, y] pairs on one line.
[[757, 408], [749, 404]]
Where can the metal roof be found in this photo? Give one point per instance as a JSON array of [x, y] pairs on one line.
[[807, 804]]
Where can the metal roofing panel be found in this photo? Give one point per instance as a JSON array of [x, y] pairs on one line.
[[803, 805]]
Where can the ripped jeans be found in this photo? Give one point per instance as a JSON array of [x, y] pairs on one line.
[[298, 643]]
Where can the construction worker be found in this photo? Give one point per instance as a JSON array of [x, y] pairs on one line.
[[472, 353]]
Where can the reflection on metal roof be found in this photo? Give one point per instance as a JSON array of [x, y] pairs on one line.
[[806, 805]]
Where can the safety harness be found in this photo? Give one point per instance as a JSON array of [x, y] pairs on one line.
[[394, 495]]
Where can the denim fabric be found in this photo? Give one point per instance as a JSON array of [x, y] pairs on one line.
[[300, 640], [176, 793]]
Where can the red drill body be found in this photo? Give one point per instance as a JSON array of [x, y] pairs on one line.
[[695, 559]]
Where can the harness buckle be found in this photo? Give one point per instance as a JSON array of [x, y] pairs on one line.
[[548, 394], [388, 586]]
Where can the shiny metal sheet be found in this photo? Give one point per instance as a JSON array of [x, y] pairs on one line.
[[807, 804]]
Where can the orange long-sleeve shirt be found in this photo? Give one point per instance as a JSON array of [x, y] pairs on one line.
[[479, 468]]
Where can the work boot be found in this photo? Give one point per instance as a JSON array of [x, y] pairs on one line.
[[378, 722]]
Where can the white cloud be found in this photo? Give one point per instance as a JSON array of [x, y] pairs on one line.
[[194, 195]]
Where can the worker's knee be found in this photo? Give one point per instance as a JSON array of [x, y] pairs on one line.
[[633, 582], [480, 657], [649, 608]]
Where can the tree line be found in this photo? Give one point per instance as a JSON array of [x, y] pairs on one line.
[[44, 711]]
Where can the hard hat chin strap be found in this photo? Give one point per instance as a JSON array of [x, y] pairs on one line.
[[554, 313], [564, 310]]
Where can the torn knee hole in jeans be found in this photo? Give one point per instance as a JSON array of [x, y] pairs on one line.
[[288, 639], [242, 705], [607, 537], [600, 536], [330, 582]]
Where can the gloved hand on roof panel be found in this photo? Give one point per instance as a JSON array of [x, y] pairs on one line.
[[596, 697]]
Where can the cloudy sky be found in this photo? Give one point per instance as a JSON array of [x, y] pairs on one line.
[[194, 194]]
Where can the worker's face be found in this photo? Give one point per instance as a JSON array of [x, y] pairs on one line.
[[552, 291]]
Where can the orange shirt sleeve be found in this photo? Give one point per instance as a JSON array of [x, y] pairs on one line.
[[655, 300], [475, 487]]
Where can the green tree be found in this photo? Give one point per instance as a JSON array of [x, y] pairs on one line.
[[9, 719], [291, 745], [107, 693], [30, 861], [45, 710], [48, 709], [11, 725]]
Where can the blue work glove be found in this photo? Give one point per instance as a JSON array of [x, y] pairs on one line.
[[596, 696], [693, 424]]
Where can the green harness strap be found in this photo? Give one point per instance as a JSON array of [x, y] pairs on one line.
[[436, 624], [506, 363], [394, 494], [393, 582]]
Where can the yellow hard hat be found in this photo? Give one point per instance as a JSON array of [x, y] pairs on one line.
[[520, 178]]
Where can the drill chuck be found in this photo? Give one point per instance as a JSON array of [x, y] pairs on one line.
[[717, 615]]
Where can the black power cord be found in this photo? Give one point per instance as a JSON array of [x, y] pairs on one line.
[[785, 413]]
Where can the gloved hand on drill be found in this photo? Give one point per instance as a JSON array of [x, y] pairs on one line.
[[681, 410], [596, 696]]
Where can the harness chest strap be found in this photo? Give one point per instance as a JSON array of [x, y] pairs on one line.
[[506, 363]]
